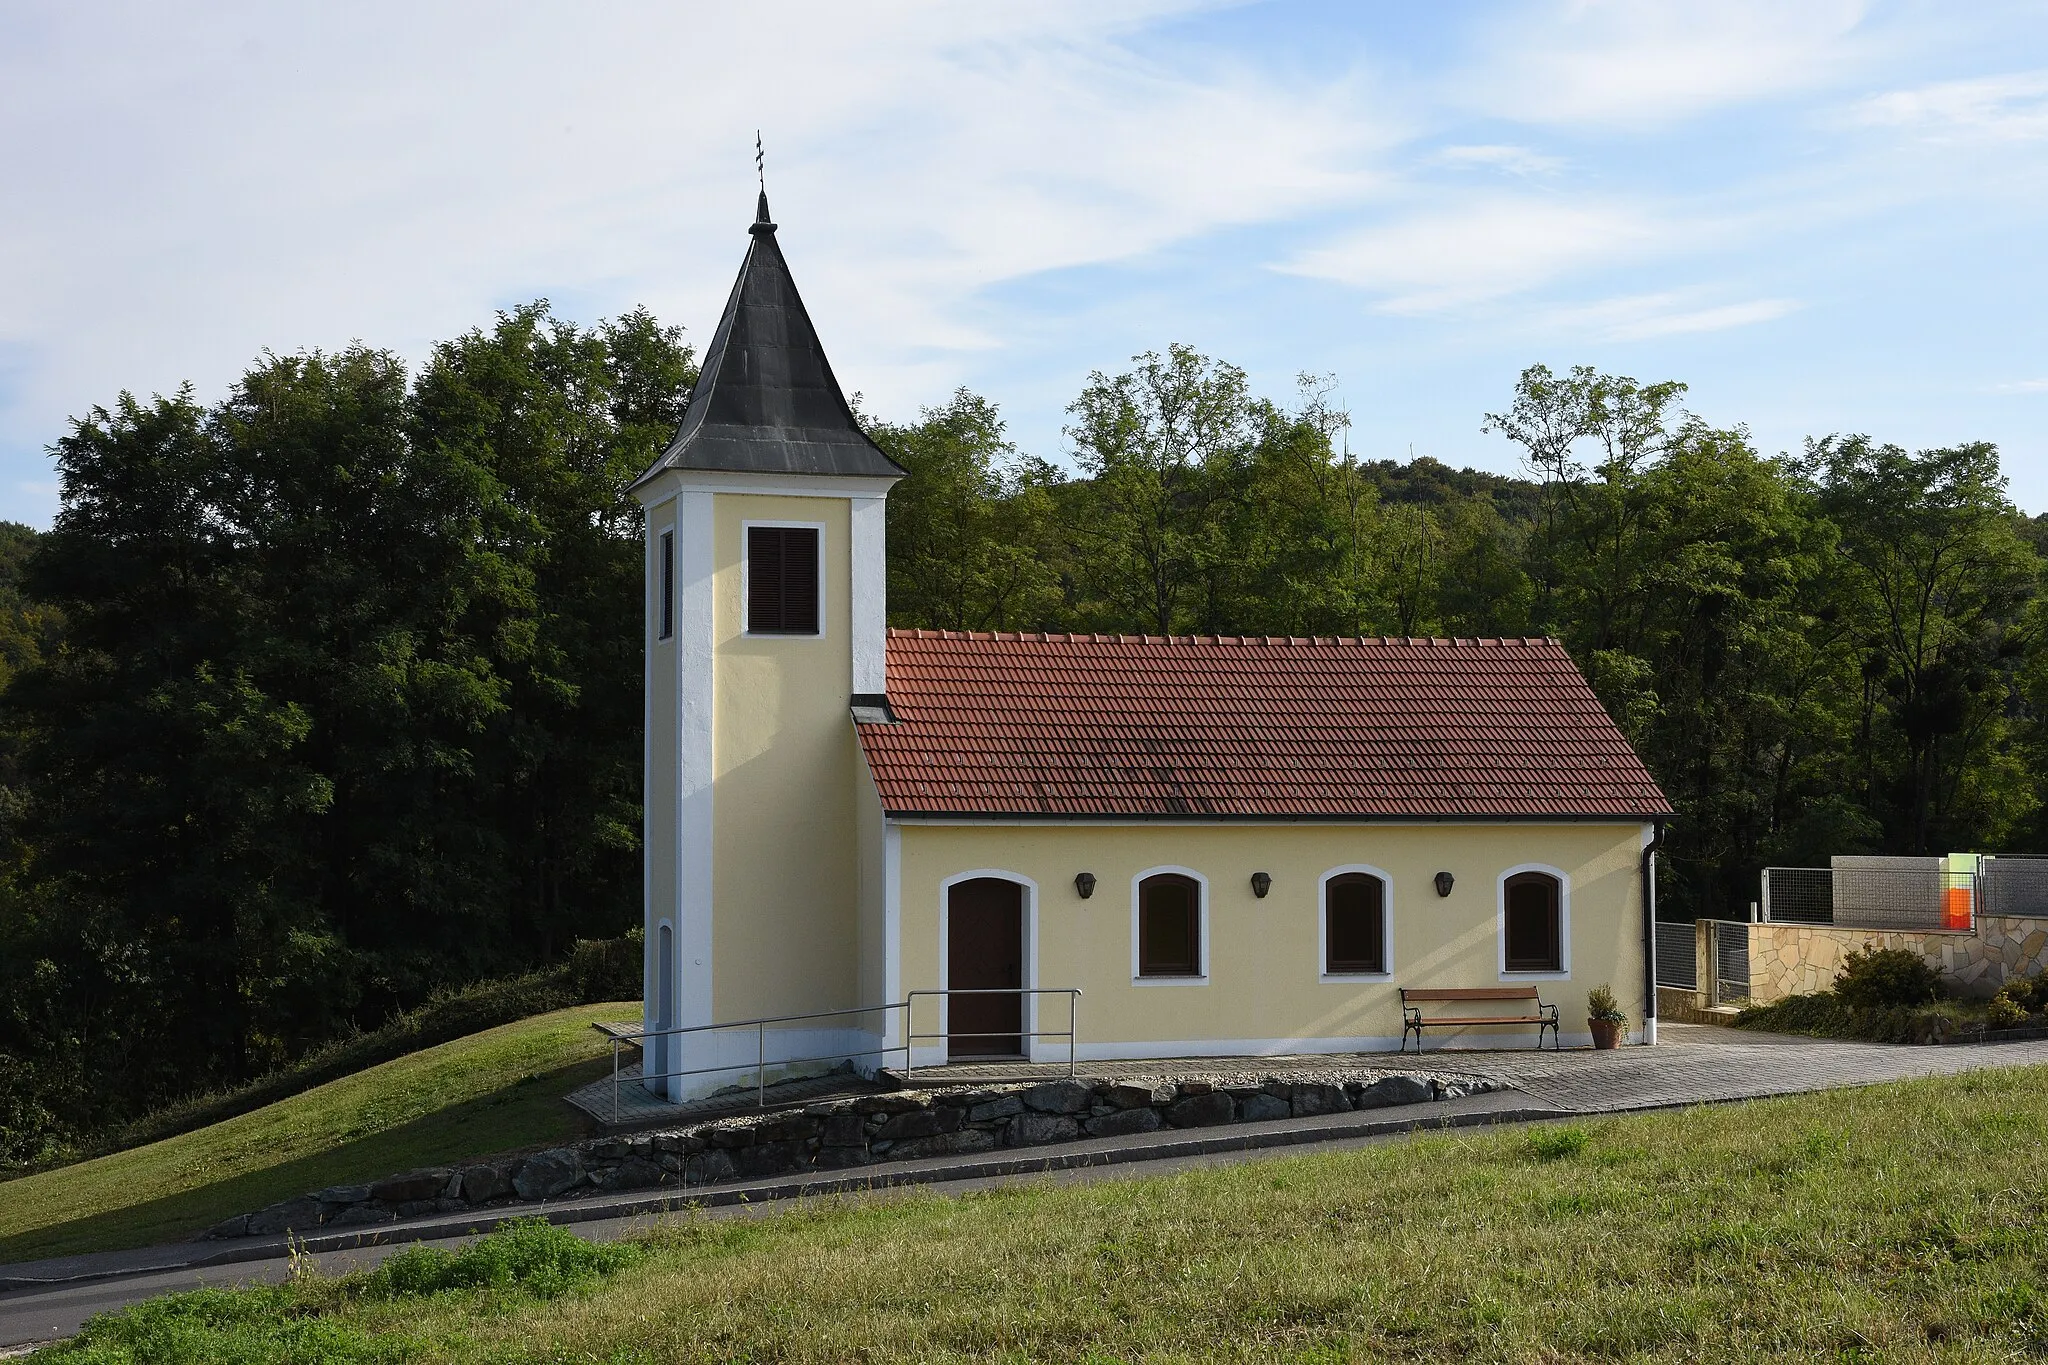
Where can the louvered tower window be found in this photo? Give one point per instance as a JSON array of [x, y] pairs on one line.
[[782, 580]]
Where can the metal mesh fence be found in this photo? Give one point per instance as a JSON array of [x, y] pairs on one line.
[[1731, 961], [1678, 955], [1799, 895], [2014, 886], [1880, 893]]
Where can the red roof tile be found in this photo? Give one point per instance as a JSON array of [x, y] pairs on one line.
[[1144, 727]]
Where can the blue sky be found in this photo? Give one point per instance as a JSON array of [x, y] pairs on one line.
[[1823, 216]]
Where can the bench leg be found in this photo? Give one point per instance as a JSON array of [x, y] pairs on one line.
[[1407, 1029]]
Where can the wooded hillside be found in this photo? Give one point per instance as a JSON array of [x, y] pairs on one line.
[[326, 696]]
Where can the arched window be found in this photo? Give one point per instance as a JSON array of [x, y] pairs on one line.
[[1354, 924], [1169, 925], [1533, 922]]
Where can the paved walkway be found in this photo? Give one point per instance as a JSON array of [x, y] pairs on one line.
[[1693, 1064]]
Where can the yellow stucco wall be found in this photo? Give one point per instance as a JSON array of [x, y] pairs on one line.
[[1263, 968], [786, 867]]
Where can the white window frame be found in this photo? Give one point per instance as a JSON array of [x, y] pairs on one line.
[[747, 626], [1323, 972], [1030, 1011], [1201, 928], [1564, 923]]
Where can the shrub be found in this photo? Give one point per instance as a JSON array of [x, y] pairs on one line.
[[2016, 999], [1886, 978], [2004, 1012], [529, 1254], [1602, 1007]]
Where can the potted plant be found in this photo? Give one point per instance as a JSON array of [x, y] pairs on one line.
[[1605, 1017]]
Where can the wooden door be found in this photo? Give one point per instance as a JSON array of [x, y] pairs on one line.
[[985, 951]]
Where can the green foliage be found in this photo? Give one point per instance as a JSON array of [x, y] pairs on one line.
[[1824, 1014], [296, 1324], [1555, 1144], [1602, 1006], [529, 1255], [344, 710], [2017, 1000], [1886, 978]]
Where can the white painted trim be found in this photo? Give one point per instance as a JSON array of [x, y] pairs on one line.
[[746, 626], [868, 595], [892, 931], [648, 840], [1564, 924], [1494, 1040], [695, 834], [1030, 929], [1244, 822], [1323, 973], [1202, 929], [784, 485]]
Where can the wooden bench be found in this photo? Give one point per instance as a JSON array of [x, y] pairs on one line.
[[1412, 1020]]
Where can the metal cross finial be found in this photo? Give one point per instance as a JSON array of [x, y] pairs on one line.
[[760, 162]]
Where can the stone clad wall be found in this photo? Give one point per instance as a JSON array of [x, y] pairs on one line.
[[1798, 959]]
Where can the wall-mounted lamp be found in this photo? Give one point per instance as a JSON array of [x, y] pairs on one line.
[[1444, 882], [1261, 883], [1084, 882]]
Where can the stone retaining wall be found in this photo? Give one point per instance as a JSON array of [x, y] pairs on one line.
[[1798, 959], [838, 1134]]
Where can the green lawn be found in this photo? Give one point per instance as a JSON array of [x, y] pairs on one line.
[[1905, 1222], [489, 1092]]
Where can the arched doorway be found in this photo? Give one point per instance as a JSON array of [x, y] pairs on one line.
[[985, 951]]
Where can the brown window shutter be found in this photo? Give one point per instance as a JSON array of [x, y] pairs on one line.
[[782, 580], [1354, 929], [1169, 926]]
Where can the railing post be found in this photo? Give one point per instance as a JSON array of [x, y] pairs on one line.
[[761, 1066], [615, 1077]]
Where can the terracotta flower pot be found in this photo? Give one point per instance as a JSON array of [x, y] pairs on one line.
[[1606, 1033]]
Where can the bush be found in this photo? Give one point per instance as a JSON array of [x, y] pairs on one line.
[[1602, 1007], [529, 1255], [2016, 1000], [1886, 978]]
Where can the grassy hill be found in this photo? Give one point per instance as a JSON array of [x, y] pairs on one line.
[[492, 1091], [1900, 1222]]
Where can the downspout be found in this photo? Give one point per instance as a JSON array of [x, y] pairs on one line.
[[1649, 872]]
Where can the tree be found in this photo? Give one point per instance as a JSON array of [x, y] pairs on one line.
[[1165, 445], [1938, 570], [971, 538]]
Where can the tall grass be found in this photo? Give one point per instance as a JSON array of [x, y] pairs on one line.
[[1901, 1223]]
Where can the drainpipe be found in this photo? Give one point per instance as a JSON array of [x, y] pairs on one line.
[[1649, 869]]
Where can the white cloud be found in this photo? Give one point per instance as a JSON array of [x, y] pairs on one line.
[[1514, 160], [1485, 248], [2020, 386], [1640, 317], [186, 189], [2006, 108], [1608, 61]]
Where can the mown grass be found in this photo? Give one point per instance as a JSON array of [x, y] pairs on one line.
[[1905, 1222], [493, 1091]]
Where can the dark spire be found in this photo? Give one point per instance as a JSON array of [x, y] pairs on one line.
[[766, 401]]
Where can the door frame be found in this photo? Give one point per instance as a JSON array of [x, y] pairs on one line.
[[1029, 896]]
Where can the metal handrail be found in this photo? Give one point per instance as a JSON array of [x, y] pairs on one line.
[[1073, 994], [760, 1026]]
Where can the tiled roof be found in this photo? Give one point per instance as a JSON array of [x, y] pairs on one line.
[[1145, 727]]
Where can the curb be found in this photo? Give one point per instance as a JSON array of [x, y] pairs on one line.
[[1067, 1157]]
